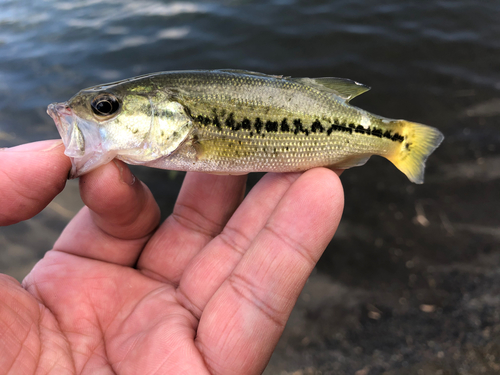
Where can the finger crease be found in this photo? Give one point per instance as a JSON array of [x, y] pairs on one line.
[[195, 225], [143, 238], [235, 239], [246, 289], [294, 244], [186, 302]]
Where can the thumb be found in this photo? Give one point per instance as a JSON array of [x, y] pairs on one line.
[[31, 175]]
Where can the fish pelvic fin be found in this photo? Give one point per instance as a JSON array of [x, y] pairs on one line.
[[419, 142]]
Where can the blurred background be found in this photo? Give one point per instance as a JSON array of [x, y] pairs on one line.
[[410, 284]]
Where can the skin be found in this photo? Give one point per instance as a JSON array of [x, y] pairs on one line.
[[206, 292]]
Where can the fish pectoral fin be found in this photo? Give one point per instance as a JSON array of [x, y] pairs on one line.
[[343, 87], [170, 130], [353, 161]]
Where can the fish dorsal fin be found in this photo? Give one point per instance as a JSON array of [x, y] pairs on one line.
[[249, 73], [343, 87]]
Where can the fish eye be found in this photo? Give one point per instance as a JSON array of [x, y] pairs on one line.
[[104, 105]]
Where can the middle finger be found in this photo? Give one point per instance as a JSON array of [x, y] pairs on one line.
[[205, 204]]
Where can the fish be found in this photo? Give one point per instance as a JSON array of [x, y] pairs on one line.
[[230, 121]]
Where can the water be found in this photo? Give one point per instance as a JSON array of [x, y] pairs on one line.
[[410, 282]]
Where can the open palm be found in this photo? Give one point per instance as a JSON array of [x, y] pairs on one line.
[[207, 292]]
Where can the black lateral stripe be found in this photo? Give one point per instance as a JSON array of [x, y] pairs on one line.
[[216, 121], [246, 124], [360, 129], [317, 127], [199, 119], [283, 126], [272, 126], [230, 121], [336, 126], [397, 137], [299, 128], [258, 125]]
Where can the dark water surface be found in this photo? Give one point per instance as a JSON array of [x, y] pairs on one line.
[[411, 282]]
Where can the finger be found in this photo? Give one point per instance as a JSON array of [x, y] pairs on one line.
[[205, 204], [31, 175], [119, 217], [254, 303], [208, 270]]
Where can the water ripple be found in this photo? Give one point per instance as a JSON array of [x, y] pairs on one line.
[[159, 9]]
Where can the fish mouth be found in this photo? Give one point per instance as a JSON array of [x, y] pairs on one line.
[[55, 110], [81, 139]]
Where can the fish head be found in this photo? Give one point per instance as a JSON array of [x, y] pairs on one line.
[[120, 120]]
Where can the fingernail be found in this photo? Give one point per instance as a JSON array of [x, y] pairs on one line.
[[37, 146], [55, 144], [125, 174]]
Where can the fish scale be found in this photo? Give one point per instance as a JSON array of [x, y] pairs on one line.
[[261, 94], [294, 151], [235, 122]]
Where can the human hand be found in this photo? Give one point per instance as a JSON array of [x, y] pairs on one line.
[[207, 292]]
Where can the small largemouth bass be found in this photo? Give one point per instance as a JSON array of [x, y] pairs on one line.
[[234, 122]]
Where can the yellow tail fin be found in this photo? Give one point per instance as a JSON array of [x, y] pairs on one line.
[[420, 141]]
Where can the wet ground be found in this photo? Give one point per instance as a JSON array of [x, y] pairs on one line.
[[410, 284]]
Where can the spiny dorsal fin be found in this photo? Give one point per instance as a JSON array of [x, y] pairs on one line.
[[343, 87]]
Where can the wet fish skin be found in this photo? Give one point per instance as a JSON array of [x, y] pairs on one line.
[[235, 122]]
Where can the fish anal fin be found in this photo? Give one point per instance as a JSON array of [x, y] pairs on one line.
[[353, 161], [343, 87]]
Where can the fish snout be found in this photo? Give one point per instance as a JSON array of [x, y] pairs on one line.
[[59, 113], [67, 126], [59, 108]]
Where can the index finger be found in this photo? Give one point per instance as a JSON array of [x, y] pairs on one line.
[[31, 175], [119, 217]]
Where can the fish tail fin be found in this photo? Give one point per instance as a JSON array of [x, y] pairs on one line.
[[419, 142]]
